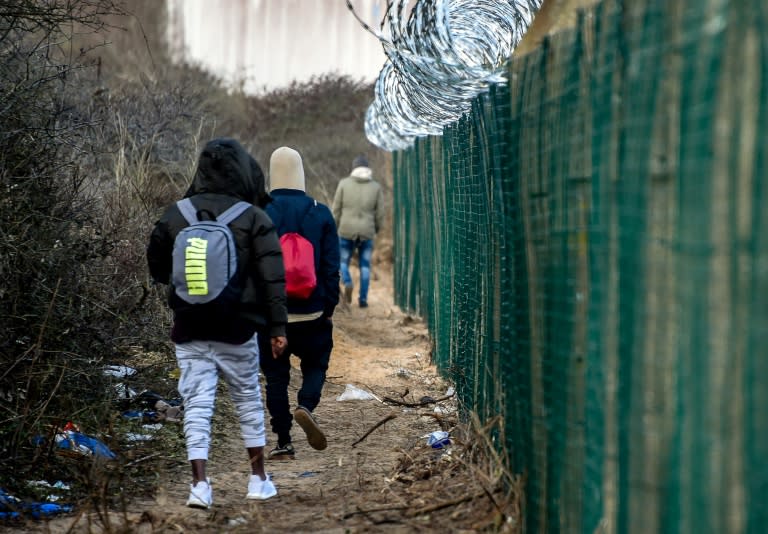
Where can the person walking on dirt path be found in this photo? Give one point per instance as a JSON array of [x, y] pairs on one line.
[[358, 208], [218, 338], [310, 310]]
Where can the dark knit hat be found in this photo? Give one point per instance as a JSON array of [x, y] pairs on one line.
[[360, 161]]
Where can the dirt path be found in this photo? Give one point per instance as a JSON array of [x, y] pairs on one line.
[[374, 349], [389, 482]]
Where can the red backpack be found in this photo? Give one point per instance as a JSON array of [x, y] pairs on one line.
[[299, 261]]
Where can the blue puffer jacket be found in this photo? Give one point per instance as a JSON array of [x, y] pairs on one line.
[[292, 210]]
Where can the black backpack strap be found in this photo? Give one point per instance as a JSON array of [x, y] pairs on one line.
[[233, 212], [187, 210]]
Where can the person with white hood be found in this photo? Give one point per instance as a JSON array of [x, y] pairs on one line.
[[358, 208], [310, 326]]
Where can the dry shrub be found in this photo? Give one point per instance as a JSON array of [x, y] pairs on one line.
[[86, 163], [466, 487], [52, 324], [322, 118], [94, 142]]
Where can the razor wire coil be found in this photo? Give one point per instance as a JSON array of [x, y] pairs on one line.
[[440, 55]]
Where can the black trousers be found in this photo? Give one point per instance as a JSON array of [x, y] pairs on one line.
[[311, 342]]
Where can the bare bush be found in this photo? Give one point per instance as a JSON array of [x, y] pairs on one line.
[[322, 119], [49, 232], [92, 147]]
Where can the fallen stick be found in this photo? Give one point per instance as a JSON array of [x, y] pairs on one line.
[[374, 427], [144, 459], [439, 506], [444, 422], [374, 395], [372, 510], [416, 404]]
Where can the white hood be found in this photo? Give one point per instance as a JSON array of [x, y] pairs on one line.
[[363, 173]]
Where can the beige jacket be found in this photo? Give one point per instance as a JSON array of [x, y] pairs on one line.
[[358, 206]]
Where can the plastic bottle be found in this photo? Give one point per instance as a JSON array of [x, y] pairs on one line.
[[439, 439]]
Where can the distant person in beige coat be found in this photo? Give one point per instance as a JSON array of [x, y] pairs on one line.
[[358, 208]]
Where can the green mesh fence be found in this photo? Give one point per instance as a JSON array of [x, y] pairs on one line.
[[589, 247]]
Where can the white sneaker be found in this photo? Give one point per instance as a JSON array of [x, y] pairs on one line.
[[200, 495], [260, 489]]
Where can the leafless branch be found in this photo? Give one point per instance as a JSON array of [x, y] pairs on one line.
[[374, 427]]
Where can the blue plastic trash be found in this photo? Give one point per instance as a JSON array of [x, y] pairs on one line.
[[87, 445], [439, 439], [14, 508]]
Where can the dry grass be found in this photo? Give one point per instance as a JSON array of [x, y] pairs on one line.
[[94, 144], [117, 143], [464, 488]]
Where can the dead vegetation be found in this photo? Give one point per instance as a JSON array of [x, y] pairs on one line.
[[93, 143], [379, 473], [461, 487]]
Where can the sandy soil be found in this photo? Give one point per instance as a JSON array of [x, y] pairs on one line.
[[387, 481]]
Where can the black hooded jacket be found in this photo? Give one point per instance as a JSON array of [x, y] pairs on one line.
[[226, 174]]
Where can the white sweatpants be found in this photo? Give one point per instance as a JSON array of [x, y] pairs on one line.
[[201, 363]]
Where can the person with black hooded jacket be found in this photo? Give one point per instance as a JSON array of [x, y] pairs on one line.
[[212, 344]]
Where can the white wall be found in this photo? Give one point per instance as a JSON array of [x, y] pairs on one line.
[[269, 43]]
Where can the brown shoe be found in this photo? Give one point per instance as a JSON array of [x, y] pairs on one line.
[[315, 436]]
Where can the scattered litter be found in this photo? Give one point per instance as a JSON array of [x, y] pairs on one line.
[[144, 415], [14, 508], [173, 413], [237, 521], [70, 438], [119, 371], [45, 484], [450, 391], [58, 487], [134, 436], [403, 372], [148, 398], [438, 439], [167, 409], [354, 393], [307, 474], [153, 408], [124, 392]]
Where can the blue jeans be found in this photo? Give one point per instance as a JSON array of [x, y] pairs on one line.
[[364, 249]]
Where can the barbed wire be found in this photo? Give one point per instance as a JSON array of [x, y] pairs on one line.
[[440, 55]]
